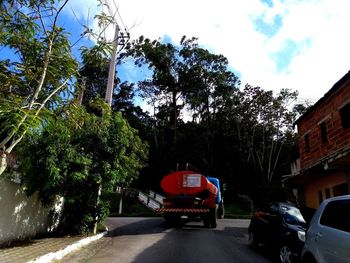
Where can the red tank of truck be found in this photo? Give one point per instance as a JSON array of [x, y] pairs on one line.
[[188, 183], [189, 194]]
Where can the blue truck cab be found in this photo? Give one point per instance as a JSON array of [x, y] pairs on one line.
[[219, 198]]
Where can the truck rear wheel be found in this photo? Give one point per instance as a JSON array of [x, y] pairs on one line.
[[206, 222], [213, 215], [172, 220], [221, 210]]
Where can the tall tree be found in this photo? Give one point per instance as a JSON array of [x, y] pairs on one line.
[[40, 67], [163, 60], [208, 84], [206, 79], [183, 76], [265, 124], [243, 135]]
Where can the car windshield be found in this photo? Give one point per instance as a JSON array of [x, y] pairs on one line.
[[292, 215]]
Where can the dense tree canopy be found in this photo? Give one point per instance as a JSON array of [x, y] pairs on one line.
[[202, 117], [74, 150], [77, 154], [41, 66], [243, 135]]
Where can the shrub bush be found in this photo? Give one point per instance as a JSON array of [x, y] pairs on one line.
[[246, 203]]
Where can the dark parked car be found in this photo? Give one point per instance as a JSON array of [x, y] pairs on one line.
[[280, 226]]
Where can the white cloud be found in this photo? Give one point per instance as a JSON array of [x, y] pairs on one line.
[[226, 27], [82, 10]]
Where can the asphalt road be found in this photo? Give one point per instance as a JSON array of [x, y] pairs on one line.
[[143, 240]]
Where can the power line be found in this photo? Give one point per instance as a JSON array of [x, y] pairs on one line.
[[124, 35], [120, 39], [121, 19]]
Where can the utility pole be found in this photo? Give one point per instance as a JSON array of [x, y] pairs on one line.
[[111, 77], [120, 38], [111, 73]]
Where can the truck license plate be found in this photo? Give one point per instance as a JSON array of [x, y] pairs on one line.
[[191, 180]]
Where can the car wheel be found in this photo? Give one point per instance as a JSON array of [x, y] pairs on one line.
[[308, 258], [252, 241], [286, 254]]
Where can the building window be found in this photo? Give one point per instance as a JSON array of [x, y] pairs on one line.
[[341, 189], [323, 129], [328, 193], [345, 116], [307, 142], [320, 196]]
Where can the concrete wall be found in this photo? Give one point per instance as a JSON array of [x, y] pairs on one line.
[[314, 188], [22, 217]]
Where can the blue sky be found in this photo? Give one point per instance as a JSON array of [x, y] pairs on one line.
[[266, 28], [289, 50], [274, 44], [269, 3]]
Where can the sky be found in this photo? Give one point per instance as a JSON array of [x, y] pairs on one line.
[[301, 45]]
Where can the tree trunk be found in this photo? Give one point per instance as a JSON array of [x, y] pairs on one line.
[[209, 136], [120, 209], [81, 92], [99, 191], [174, 116], [3, 162]]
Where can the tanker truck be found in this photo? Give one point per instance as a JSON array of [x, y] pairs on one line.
[[192, 196]]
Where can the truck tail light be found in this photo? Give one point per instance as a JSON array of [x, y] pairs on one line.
[[260, 214], [166, 203]]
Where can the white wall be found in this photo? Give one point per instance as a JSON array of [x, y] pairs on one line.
[[21, 216]]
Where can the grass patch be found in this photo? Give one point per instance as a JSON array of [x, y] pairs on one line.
[[134, 209], [236, 211]]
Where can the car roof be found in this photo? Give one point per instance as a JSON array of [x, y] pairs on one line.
[[340, 197], [284, 204]]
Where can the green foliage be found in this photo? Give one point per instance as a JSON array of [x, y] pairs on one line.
[[234, 210], [39, 46], [76, 155], [41, 66], [111, 199], [94, 73], [242, 135], [133, 208], [246, 203], [185, 79]]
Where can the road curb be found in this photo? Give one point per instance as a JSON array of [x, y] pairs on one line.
[[69, 249]]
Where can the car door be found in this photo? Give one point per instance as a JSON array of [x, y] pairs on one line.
[[272, 224], [332, 237]]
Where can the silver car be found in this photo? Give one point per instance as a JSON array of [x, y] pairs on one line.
[[328, 237]]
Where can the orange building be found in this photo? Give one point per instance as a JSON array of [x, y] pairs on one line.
[[324, 147]]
